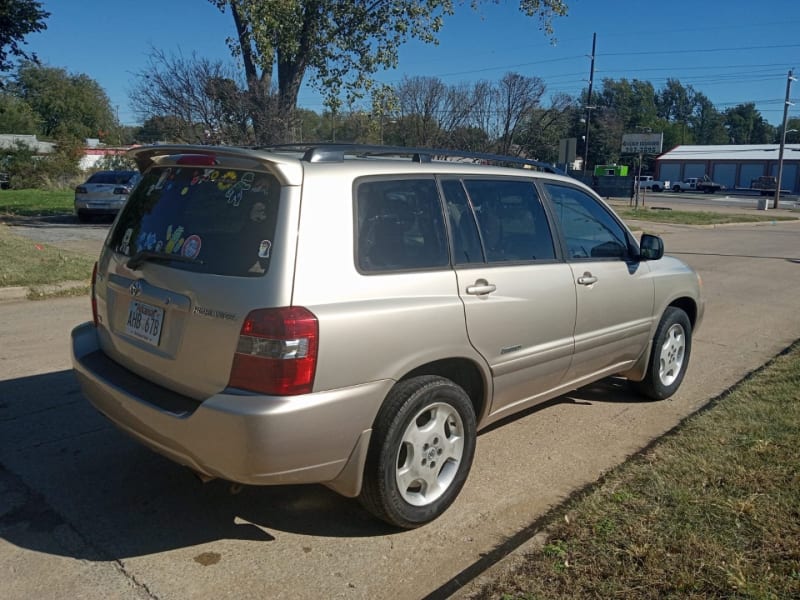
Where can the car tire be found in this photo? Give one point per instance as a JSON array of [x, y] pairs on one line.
[[421, 450], [656, 188], [676, 188], [669, 356], [84, 218]]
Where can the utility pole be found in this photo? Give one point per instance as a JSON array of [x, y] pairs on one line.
[[589, 107], [786, 105]]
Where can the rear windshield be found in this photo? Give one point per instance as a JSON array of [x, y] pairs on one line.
[[221, 219], [115, 177]]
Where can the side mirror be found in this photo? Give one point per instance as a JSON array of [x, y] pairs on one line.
[[651, 247]]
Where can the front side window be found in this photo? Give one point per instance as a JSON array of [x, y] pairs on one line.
[[219, 221], [589, 230], [511, 220], [399, 226]]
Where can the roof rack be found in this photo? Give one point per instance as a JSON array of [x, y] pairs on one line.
[[328, 152]]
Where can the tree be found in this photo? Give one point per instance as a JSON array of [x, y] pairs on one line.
[[199, 99], [421, 102], [792, 131], [16, 115], [546, 127], [516, 96], [745, 125], [341, 45], [18, 18], [70, 106], [707, 122]]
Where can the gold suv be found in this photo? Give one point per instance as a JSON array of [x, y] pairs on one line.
[[353, 315]]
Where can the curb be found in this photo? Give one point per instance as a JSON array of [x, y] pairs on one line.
[[19, 292], [8, 294]]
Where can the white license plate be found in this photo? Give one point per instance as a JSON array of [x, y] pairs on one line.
[[145, 322]]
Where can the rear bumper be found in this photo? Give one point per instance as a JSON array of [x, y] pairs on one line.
[[110, 206], [247, 438]]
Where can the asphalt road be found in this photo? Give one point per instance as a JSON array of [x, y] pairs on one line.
[[86, 512]]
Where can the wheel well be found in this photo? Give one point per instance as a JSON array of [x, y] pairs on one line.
[[688, 306], [460, 371]]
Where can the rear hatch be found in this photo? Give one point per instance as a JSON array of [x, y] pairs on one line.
[[189, 256]]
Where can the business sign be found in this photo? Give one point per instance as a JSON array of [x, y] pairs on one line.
[[642, 143], [567, 148]]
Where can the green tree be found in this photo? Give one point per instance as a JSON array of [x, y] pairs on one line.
[[707, 122], [633, 102], [546, 127], [792, 130], [745, 125], [57, 170], [16, 115], [18, 18], [68, 106], [340, 45]]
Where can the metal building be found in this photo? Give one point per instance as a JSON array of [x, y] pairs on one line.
[[734, 166]]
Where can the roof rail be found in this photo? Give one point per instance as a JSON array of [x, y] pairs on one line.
[[328, 152]]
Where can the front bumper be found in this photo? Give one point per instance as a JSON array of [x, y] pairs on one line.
[[247, 438]]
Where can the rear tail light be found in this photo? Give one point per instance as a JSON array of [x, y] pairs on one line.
[[94, 296], [277, 352], [122, 190], [81, 190]]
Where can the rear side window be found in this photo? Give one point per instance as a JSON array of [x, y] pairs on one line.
[[219, 221], [511, 220], [399, 226]]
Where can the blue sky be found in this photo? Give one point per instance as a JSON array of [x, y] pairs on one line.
[[734, 51]]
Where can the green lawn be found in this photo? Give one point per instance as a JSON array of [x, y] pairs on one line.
[[35, 202], [25, 262], [710, 511], [686, 217]]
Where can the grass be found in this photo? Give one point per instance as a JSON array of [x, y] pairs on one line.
[[28, 203], [709, 511], [686, 217], [25, 262]]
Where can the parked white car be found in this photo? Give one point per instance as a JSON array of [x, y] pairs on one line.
[[648, 182]]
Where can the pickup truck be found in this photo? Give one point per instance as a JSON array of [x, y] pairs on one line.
[[697, 184], [647, 182], [765, 184]]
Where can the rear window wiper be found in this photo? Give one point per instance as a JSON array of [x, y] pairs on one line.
[[143, 256]]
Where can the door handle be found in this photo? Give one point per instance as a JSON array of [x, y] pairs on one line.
[[481, 287], [587, 279]]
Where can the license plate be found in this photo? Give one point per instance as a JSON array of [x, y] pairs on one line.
[[145, 322]]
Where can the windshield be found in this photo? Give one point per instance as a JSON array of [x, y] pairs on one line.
[[115, 177], [222, 220]]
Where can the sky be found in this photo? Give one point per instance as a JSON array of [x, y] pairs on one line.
[[733, 51]]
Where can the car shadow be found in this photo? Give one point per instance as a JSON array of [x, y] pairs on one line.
[[609, 390], [72, 484]]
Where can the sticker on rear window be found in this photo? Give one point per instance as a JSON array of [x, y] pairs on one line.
[[264, 248], [191, 247], [234, 195], [174, 239], [226, 181], [124, 246]]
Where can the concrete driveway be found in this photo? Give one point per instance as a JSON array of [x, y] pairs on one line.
[[85, 512]]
